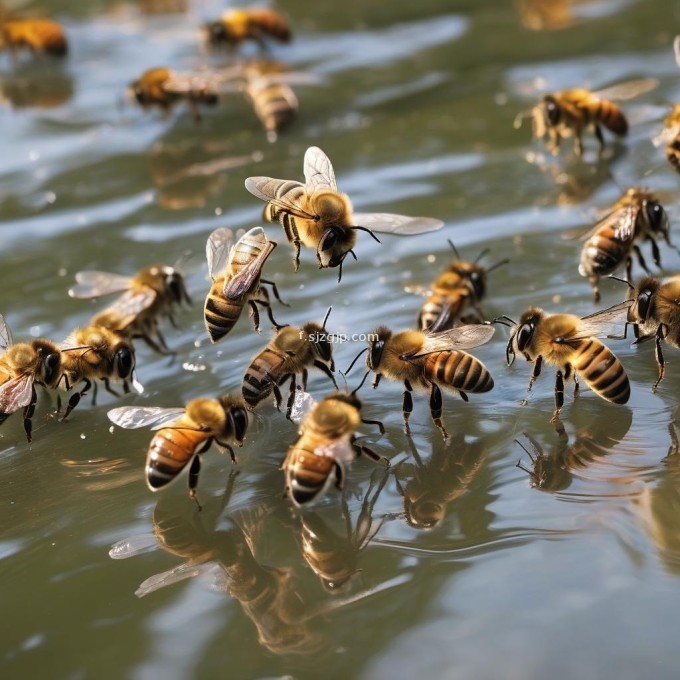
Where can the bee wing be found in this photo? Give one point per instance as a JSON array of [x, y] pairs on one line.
[[242, 283], [16, 393], [401, 225], [132, 417], [288, 78], [627, 90], [622, 219], [459, 338], [217, 251], [186, 83], [168, 578], [676, 49], [91, 284], [667, 135], [5, 334], [133, 302], [265, 189], [304, 402], [319, 174], [606, 322], [135, 545], [340, 450]]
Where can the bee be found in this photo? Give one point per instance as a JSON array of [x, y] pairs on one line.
[[164, 88], [149, 295], [316, 215], [41, 36], [571, 344], [185, 433], [235, 271], [670, 137], [636, 216], [570, 112], [291, 351], [325, 445], [238, 25], [655, 313], [429, 361], [461, 285], [23, 366], [96, 353]]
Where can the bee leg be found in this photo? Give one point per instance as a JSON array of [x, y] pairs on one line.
[[381, 427], [656, 255], [227, 447], [600, 139], [436, 409], [578, 144], [364, 450], [277, 395], [577, 387], [659, 356], [327, 371], [407, 407], [339, 476], [161, 346], [256, 315], [640, 258], [194, 471], [109, 389], [275, 290], [291, 397], [28, 414], [559, 397], [376, 380], [538, 364], [305, 376], [593, 280], [75, 398], [270, 314]]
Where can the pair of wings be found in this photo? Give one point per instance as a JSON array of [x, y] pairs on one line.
[[320, 176], [133, 417], [219, 253], [15, 392], [607, 323], [456, 339]]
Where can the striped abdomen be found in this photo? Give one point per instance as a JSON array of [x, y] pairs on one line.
[[169, 452], [457, 370], [611, 116], [601, 370], [307, 474], [261, 376], [220, 313], [275, 105], [603, 252], [448, 306]]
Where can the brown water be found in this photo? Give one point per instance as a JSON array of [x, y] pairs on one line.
[[575, 576]]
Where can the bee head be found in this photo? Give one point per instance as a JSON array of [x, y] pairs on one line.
[[523, 333], [50, 361], [174, 284], [217, 32], [644, 293], [139, 93], [657, 217], [334, 245], [423, 514], [350, 399], [551, 110], [376, 346]]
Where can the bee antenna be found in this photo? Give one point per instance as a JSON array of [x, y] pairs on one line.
[[482, 254], [505, 321], [497, 265], [351, 366], [353, 254], [455, 250], [328, 313], [626, 281], [366, 229], [361, 384]]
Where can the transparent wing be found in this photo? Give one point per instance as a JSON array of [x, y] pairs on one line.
[[5, 334], [265, 188], [133, 302], [319, 174], [304, 402], [459, 338], [168, 578], [135, 545], [16, 393], [622, 220], [287, 78], [605, 322], [242, 283], [217, 251], [340, 450], [132, 417], [188, 83], [401, 225], [627, 90], [91, 284], [667, 135]]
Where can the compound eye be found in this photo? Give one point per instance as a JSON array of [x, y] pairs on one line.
[[552, 111], [239, 422], [124, 362], [52, 365], [524, 336], [329, 240], [173, 286], [477, 282], [656, 215], [323, 349], [643, 304], [375, 354]]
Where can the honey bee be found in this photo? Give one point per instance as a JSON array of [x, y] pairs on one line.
[[571, 344], [429, 361], [461, 285], [316, 215], [570, 112], [325, 445], [41, 36], [23, 366], [238, 25], [291, 351], [183, 434], [636, 216], [235, 271], [655, 311], [670, 137], [164, 88], [96, 353], [147, 296]]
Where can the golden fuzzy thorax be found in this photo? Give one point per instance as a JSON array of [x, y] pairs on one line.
[[546, 338]]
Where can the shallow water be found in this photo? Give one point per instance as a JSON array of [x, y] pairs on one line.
[[573, 576]]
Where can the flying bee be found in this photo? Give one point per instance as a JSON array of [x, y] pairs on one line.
[[429, 361], [235, 272], [40, 36], [164, 88], [461, 285], [256, 24], [291, 351], [22, 366], [149, 295], [316, 215], [183, 434], [636, 216], [669, 137], [570, 112], [96, 353], [325, 445], [571, 344]]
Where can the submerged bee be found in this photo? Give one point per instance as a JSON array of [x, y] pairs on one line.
[[235, 271], [316, 215], [656, 312], [149, 295], [96, 353], [429, 361], [256, 24], [164, 88], [23, 366], [571, 345], [636, 216], [42, 36], [461, 285], [292, 351], [325, 445], [183, 434], [570, 112]]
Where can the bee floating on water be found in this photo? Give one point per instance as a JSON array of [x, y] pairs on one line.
[[238, 25], [40, 36], [316, 215]]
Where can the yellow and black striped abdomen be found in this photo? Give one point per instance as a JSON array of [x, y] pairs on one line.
[[274, 104], [611, 116], [604, 252], [307, 474], [458, 370], [601, 370], [219, 313], [169, 452], [260, 377]]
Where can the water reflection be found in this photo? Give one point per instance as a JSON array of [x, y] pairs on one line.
[[29, 86]]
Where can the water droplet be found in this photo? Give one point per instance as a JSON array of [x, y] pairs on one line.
[[83, 435]]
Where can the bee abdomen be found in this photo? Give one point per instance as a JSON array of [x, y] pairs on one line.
[[602, 371], [673, 154], [602, 253], [612, 117], [430, 311], [169, 452], [273, 108], [459, 370], [308, 476], [220, 316], [260, 376]]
